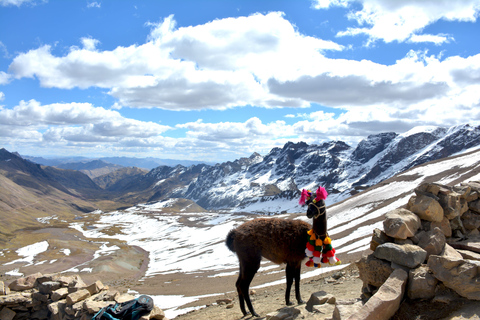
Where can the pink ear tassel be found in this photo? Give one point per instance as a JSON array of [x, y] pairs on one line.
[[321, 194], [303, 197]]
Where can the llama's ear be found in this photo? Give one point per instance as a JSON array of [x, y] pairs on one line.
[[321, 194], [303, 197]]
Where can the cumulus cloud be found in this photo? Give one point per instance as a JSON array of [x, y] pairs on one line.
[[74, 122], [392, 20], [234, 57]]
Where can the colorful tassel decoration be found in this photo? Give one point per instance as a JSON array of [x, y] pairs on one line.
[[319, 251]]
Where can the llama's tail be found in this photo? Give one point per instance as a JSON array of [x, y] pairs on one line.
[[230, 240]]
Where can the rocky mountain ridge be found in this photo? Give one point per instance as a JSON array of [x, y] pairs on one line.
[[265, 184]]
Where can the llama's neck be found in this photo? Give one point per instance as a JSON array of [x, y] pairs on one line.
[[319, 226]]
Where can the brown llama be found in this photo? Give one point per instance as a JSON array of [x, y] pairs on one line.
[[278, 240]]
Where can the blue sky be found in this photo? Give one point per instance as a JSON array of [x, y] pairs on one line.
[[219, 80]]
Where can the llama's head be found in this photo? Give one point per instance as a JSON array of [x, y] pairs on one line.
[[315, 202]]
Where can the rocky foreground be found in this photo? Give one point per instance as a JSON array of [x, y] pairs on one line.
[[425, 264]]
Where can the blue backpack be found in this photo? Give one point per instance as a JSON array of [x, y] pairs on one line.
[[128, 310]]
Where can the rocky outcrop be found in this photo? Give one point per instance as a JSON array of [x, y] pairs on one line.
[[58, 297]]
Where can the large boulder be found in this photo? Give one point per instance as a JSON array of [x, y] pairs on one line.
[[401, 223], [407, 255], [373, 271], [462, 276], [427, 208]]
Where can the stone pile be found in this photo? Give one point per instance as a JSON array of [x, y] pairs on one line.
[[58, 297], [430, 245]]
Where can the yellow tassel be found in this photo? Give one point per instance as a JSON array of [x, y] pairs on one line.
[[310, 232], [313, 237], [327, 240], [319, 243]]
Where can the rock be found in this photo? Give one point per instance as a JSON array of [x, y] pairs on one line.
[[59, 294], [426, 208], [224, 301], [373, 271], [24, 283], [379, 237], [421, 283], [124, 297], [283, 314], [401, 223], [16, 298], [95, 287], [467, 254], [40, 296], [7, 314], [474, 206], [95, 306], [431, 188], [76, 284], [384, 303], [462, 276], [451, 203], [457, 225], [57, 309], [450, 252], [346, 308], [444, 225], [471, 220], [467, 245], [463, 191], [319, 298], [407, 255], [433, 242], [76, 296], [156, 313]]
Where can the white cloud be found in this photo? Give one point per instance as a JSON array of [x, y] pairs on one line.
[[18, 3], [392, 20], [4, 78], [89, 43], [74, 122], [94, 4], [218, 65]]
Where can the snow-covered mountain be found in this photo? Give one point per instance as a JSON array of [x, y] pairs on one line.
[[271, 183]]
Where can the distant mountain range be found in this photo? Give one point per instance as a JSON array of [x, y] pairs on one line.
[[79, 163], [268, 184]]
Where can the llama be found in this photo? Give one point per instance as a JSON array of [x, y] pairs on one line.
[[280, 241]]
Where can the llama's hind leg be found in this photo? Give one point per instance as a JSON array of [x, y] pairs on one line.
[[247, 272]]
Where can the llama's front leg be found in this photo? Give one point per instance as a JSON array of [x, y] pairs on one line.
[[290, 273], [298, 270]]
